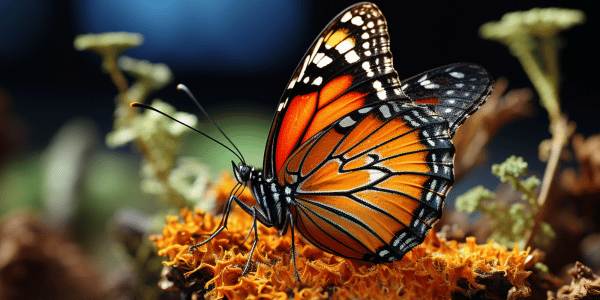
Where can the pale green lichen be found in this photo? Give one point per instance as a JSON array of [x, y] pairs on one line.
[[108, 42], [510, 222], [540, 22], [511, 171], [473, 199], [156, 137], [149, 77]]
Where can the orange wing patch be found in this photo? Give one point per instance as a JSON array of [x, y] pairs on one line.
[[300, 111], [308, 114], [334, 88], [333, 38]]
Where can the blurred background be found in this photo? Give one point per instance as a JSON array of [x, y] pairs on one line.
[[236, 56]]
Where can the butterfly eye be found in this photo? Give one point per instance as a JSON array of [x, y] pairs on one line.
[[237, 172], [241, 172]]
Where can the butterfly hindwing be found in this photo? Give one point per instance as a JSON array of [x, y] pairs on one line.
[[372, 184], [454, 91], [348, 66]]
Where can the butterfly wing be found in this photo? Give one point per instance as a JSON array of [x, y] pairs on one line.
[[454, 91], [347, 67], [372, 184]]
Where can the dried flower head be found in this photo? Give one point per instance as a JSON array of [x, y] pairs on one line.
[[149, 77], [540, 22], [436, 269], [109, 43]]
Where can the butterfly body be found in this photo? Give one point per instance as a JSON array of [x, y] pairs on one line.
[[358, 161], [272, 200]]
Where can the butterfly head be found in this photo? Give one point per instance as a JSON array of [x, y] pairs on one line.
[[242, 172]]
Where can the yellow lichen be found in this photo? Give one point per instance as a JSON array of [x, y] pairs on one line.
[[434, 270]]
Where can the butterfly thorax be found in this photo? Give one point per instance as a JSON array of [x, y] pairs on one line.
[[271, 199]]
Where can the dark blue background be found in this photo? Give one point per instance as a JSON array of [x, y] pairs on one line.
[[239, 54]]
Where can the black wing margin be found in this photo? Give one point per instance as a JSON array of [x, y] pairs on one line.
[[454, 91]]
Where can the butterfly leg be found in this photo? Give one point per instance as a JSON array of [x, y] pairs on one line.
[[250, 231], [254, 243], [293, 248], [222, 224]]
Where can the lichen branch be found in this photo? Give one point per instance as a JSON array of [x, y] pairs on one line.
[[150, 77]]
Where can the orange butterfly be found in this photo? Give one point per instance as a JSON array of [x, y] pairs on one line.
[[358, 161]]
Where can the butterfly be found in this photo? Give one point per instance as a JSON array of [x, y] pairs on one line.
[[357, 161]]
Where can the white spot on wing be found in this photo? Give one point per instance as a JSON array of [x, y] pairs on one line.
[[357, 20], [345, 45], [318, 57], [347, 16], [365, 35], [377, 85], [385, 111], [292, 83], [347, 122], [366, 66], [301, 75], [324, 61], [365, 110], [352, 57], [457, 74], [317, 81]]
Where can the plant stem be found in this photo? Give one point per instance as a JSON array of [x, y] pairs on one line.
[[546, 86], [109, 63], [549, 53], [543, 85], [560, 135]]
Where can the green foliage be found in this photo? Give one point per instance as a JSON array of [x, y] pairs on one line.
[[510, 222]]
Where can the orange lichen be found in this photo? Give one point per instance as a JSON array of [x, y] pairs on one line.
[[434, 270]]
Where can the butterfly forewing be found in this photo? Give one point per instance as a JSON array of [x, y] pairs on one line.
[[370, 185], [454, 91], [348, 66]]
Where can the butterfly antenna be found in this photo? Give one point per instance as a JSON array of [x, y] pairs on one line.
[[148, 107], [185, 89]]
